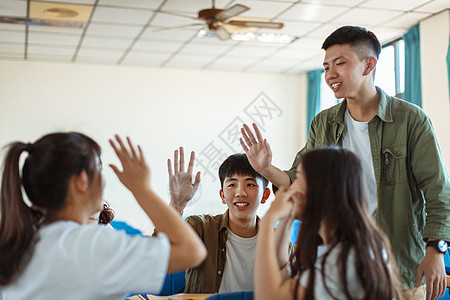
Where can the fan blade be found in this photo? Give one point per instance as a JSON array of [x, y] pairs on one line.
[[231, 12], [177, 27], [222, 33], [272, 25], [175, 14]]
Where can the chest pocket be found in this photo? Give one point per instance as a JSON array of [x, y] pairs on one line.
[[394, 165]]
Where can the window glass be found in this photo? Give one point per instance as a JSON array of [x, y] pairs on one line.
[[385, 70]]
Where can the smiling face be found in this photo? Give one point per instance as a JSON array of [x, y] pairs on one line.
[[345, 72], [242, 194]]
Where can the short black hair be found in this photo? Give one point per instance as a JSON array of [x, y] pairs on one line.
[[238, 164], [363, 41]]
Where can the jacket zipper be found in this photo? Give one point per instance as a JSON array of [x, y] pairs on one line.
[[386, 162]]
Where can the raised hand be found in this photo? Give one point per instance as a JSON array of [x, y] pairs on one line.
[[257, 149], [180, 182], [135, 174], [284, 205]]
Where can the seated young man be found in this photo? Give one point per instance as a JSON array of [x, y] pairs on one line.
[[230, 238]]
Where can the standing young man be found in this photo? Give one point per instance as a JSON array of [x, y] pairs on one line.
[[408, 188], [230, 238]]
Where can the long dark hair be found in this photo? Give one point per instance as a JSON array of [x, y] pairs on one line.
[[51, 162], [335, 194]]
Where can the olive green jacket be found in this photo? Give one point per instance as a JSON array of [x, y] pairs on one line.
[[213, 231], [413, 186]]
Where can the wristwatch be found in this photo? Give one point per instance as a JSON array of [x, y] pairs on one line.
[[439, 245]]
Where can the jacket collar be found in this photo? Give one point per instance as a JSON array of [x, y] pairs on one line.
[[384, 109]]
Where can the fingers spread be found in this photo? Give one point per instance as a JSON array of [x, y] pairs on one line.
[[169, 167], [181, 159], [175, 161], [258, 133], [191, 163], [243, 145]]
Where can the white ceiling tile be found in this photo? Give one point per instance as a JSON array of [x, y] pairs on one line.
[[115, 44], [397, 4], [367, 17], [47, 57], [236, 62], [199, 61], [56, 29], [113, 30], [102, 60], [157, 46], [54, 39], [152, 4], [249, 52], [141, 63], [167, 21], [48, 50], [292, 55], [312, 12], [204, 49], [297, 28], [7, 26], [12, 36], [13, 56], [334, 2], [13, 8], [120, 15], [407, 20], [174, 34], [263, 9], [150, 56], [323, 31], [435, 6], [388, 34], [307, 43], [193, 7], [85, 53], [12, 48]]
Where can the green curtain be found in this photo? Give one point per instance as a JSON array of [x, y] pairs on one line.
[[413, 82], [313, 100], [448, 66]]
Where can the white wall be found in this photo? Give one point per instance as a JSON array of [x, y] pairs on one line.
[[434, 42], [160, 109]]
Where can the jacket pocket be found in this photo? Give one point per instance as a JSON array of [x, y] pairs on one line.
[[394, 165]]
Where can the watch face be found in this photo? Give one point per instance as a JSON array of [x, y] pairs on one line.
[[442, 246]]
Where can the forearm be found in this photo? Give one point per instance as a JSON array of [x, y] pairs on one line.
[[276, 176], [282, 235], [267, 271], [187, 250]]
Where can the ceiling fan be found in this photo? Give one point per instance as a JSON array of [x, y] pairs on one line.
[[222, 21]]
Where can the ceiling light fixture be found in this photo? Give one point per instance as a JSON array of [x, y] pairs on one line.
[[58, 12]]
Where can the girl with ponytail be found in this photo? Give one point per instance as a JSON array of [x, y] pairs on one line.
[[47, 248]]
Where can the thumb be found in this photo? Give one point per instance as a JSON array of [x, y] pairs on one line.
[[197, 180], [115, 169]]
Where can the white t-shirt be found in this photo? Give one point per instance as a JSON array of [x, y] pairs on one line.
[[73, 261], [356, 139], [332, 276], [238, 272]]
